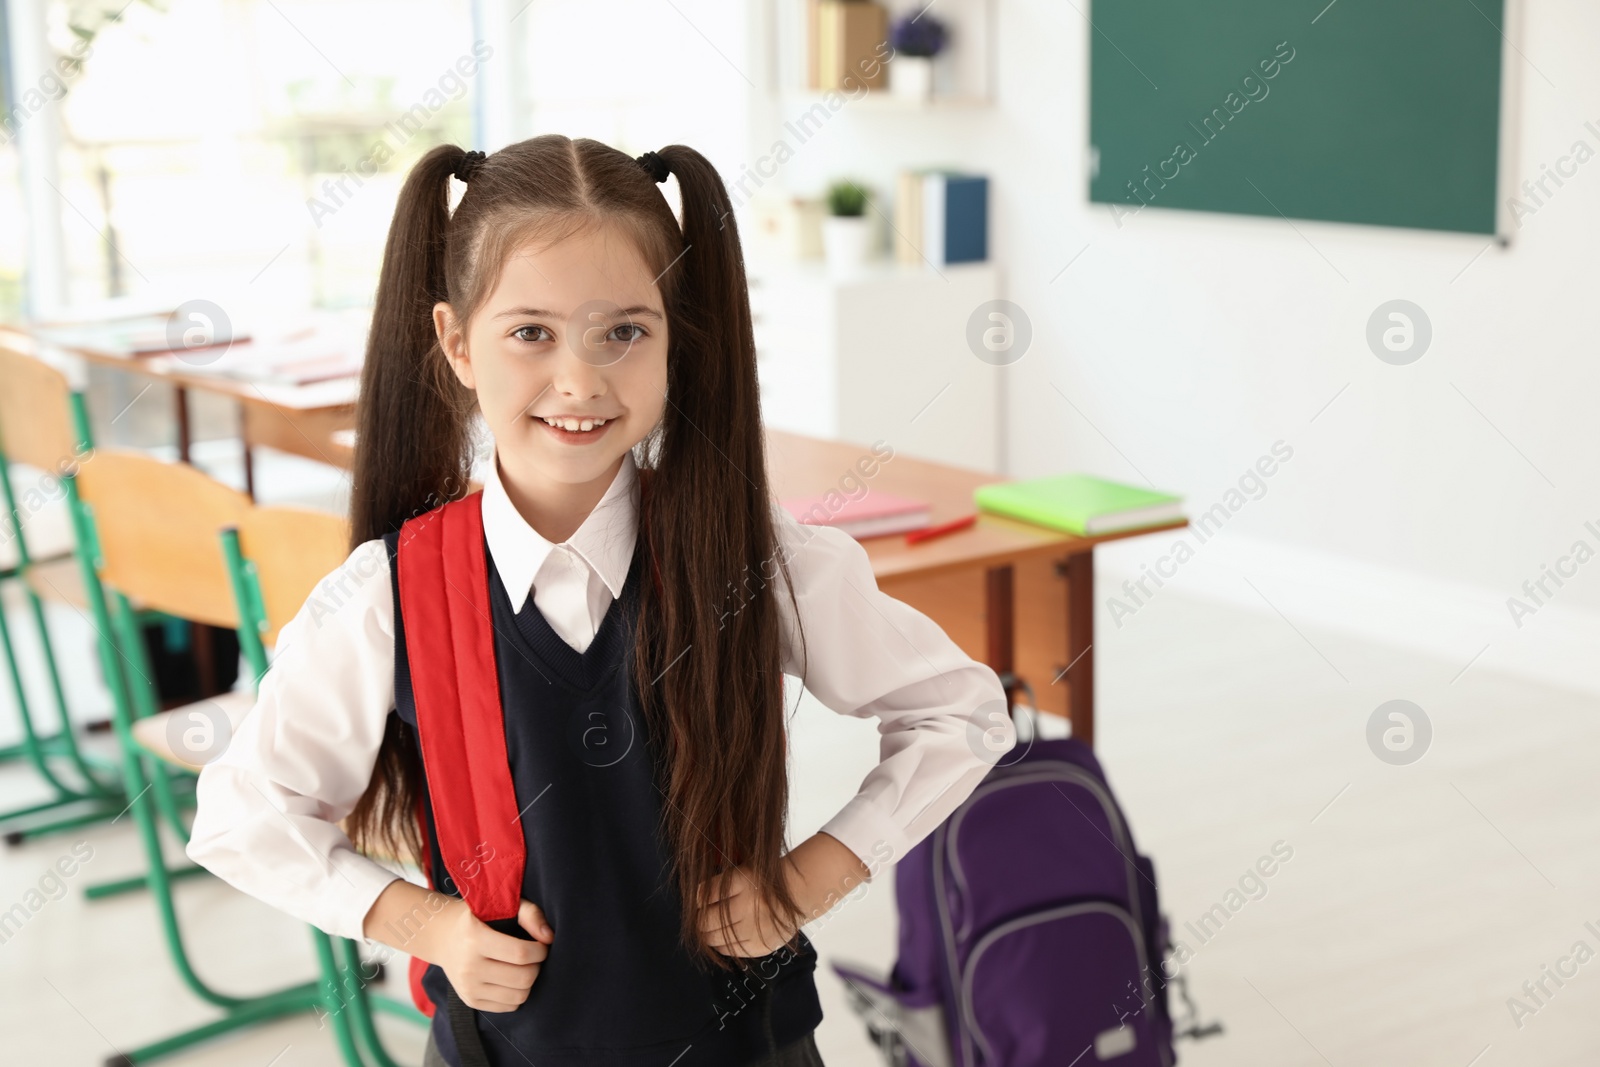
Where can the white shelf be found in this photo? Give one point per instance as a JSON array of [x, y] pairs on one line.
[[880, 354]]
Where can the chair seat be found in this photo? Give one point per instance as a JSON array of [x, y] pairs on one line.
[[12, 568], [59, 579], [47, 529], [179, 738], [192, 735]]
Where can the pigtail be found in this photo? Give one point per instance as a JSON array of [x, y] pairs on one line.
[[413, 452], [719, 707], [413, 441]]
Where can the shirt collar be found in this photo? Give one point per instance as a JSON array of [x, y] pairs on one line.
[[604, 541]]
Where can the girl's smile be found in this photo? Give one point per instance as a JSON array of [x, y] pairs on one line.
[[574, 430]]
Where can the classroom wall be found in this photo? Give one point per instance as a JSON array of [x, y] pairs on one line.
[[1417, 501], [1181, 347], [636, 76]]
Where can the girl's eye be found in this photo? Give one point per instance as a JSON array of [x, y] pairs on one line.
[[627, 333], [541, 334]]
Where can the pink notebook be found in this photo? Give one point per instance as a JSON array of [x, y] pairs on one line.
[[876, 514]]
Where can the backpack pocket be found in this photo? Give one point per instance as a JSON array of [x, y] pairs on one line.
[[1077, 992]]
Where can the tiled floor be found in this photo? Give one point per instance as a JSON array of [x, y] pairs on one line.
[[1417, 901]]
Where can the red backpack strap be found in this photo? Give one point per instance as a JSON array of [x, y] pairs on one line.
[[450, 652], [419, 996], [418, 967]]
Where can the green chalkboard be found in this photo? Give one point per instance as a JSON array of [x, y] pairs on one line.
[[1371, 111]]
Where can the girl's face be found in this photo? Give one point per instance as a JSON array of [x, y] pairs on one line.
[[574, 334]]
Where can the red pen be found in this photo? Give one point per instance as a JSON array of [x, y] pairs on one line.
[[943, 528]]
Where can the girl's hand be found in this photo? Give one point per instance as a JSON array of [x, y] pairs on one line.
[[755, 930], [820, 871], [490, 971]]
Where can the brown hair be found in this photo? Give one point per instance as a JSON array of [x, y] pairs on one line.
[[707, 669]]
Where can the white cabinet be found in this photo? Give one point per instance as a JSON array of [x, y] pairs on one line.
[[880, 354]]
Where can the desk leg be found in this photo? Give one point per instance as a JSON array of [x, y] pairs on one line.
[[246, 455], [180, 401], [1080, 645], [999, 610], [200, 646]]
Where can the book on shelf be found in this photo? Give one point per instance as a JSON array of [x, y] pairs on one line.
[[876, 514], [843, 47], [941, 217], [1079, 504], [908, 217]]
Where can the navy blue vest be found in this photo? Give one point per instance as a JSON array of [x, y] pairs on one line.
[[618, 989]]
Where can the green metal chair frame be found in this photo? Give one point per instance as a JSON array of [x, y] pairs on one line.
[[85, 797], [339, 995]]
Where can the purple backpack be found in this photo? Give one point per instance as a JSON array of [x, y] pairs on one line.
[[1029, 930]]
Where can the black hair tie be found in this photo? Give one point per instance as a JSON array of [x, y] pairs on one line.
[[654, 166], [469, 165]]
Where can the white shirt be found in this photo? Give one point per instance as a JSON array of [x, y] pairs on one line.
[[270, 804]]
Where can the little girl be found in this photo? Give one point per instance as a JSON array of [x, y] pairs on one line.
[[562, 696]]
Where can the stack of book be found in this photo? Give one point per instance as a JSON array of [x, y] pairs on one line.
[[847, 45], [941, 217]]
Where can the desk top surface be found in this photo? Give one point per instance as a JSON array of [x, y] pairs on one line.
[[314, 396], [799, 466]]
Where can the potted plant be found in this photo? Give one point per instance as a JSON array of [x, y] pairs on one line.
[[845, 232], [916, 39]]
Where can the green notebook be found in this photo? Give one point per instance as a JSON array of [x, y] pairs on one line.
[[1079, 504]]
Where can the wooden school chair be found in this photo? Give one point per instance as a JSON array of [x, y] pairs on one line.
[[43, 424], [153, 531]]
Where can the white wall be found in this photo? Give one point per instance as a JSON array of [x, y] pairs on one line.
[[634, 75], [1192, 342]]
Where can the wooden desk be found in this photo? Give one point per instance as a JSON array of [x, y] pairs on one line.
[[291, 418], [1013, 595]]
